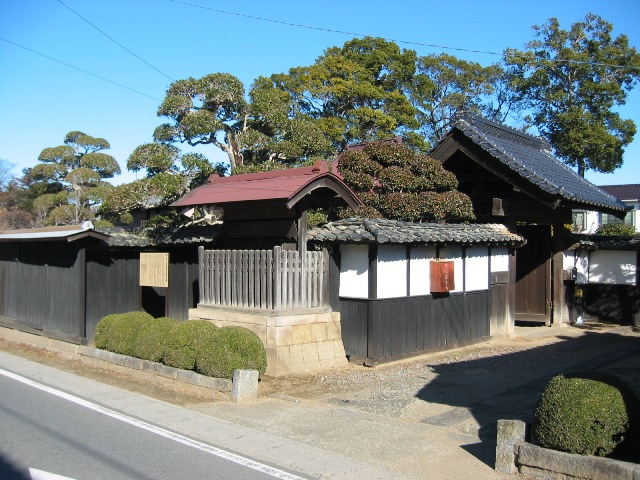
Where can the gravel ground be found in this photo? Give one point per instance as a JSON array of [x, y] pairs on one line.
[[471, 387]]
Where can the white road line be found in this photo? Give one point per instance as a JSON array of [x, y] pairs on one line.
[[232, 457], [42, 475]]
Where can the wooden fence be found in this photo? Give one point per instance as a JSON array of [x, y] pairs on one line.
[[266, 279]]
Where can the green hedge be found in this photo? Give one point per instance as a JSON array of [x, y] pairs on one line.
[[152, 338], [103, 331], [586, 413], [229, 349], [190, 345], [183, 341], [123, 332]]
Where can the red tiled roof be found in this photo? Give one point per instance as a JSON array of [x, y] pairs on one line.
[[273, 185]]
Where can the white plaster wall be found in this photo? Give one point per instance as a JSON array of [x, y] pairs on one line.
[[420, 274], [582, 265], [613, 267], [568, 259], [455, 253], [354, 271], [476, 269], [392, 271], [500, 259]]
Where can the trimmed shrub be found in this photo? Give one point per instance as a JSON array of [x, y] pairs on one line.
[[151, 340], [182, 343], [102, 331], [616, 230], [124, 330], [586, 413], [228, 349]]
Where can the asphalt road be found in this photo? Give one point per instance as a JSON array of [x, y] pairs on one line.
[[51, 431]]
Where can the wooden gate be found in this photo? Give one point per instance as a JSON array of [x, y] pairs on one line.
[[533, 275]]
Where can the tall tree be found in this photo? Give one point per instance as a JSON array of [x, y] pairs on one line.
[[572, 80], [169, 174], [445, 85], [213, 110], [71, 177], [354, 93]]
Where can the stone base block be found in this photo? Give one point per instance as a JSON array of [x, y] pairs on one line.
[[296, 341]]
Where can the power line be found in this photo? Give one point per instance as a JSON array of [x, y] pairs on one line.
[[80, 69], [115, 41], [406, 42]]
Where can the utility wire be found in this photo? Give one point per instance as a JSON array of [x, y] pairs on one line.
[[79, 69], [407, 42], [115, 41]]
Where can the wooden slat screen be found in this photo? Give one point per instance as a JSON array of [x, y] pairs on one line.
[[267, 279]]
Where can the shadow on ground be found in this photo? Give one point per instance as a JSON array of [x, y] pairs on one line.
[[8, 471], [508, 386]]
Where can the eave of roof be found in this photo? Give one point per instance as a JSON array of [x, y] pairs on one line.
[[289, 185], [530, 157], [383, 231], [68, 233]]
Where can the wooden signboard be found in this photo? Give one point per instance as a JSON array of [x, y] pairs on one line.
[[441, 275], [154, 270]]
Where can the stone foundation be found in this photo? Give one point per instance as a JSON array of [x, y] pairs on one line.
[[296, 340]]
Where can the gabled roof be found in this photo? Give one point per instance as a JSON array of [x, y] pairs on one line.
[[626, 193], [68, 233], [530, 157], [289, 185], [376, 230]]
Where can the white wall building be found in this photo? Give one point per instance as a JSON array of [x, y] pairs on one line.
[[588, 221]]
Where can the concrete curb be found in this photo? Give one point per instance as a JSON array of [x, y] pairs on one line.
[[243, 387], [514, 455]]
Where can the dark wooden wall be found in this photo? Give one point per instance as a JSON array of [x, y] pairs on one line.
[[377, 330], [63, 290], [113, 279], [42, 287]]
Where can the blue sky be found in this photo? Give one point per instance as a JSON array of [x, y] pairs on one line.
[[41, 99]]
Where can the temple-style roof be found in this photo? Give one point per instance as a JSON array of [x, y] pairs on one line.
[[375, 230], [289, 185], [529, 164]]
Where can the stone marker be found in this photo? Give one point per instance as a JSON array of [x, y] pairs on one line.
[[510, 433], [245, 386]]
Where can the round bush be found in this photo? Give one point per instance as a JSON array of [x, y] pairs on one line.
[[182, 343], [102, 331], [151, 341], [228, 349], [586, 413], [123, 332]]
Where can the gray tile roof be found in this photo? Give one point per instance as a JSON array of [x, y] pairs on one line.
[[629, 192], [180, 236], [599, 242], [531, 158], [374, 230]]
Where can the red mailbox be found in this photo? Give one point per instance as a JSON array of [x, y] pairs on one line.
[[442, 278]]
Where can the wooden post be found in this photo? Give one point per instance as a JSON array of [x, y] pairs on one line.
[[277, 277], [202, 274], [560, 312]]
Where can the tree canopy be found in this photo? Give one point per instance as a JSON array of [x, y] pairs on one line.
[[70, 180], [572, 80], [396, 182], [169, 174]]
